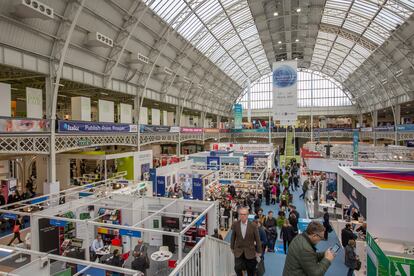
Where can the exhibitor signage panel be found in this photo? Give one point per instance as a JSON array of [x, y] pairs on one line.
[[76, 126], [285, 95]]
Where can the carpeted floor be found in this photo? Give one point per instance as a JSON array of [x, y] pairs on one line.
[[274, 262]]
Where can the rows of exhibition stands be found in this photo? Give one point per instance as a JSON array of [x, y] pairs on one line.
[[171, 208], [373, 193]]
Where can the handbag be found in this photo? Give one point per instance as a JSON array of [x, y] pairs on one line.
[[16, 228], [260, 268], [358, 265]]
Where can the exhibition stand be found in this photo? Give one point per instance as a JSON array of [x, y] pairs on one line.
[[18, 261], [68, 229], [378, 194], [136, 165]]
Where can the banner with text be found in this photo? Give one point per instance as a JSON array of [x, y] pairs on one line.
[[238, 116], [284, 79], [76, 126]]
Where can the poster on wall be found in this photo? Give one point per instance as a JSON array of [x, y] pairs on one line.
[[213, 163], [153, 179], [160, 185], [331, 186], [34, 103], [48, 237], [238, 116], [284, 80], [21, 125], [355, 197], [198, 188]]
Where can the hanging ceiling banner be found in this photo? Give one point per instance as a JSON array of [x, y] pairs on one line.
[[285, 92]]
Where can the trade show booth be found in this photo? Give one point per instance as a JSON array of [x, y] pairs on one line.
[[384, 199], [167, 226], [87, 167]]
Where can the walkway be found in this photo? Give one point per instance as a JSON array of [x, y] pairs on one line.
[[275, 262]]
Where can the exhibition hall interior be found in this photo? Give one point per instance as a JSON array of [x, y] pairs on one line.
[[207, 138]]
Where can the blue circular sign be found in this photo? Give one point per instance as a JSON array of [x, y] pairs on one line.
[[284, 76]]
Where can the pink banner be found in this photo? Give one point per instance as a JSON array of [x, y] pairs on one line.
[[191, 130]]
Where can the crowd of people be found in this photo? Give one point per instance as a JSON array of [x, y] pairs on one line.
[[250, 240]]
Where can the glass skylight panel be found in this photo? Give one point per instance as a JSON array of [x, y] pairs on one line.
[[355, 27], [221, 31]]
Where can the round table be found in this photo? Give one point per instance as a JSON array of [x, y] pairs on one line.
[[159, 257]]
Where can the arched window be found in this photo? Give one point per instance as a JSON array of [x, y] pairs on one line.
[[314, 87]]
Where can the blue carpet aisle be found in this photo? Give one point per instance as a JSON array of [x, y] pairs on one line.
[[274, 262]]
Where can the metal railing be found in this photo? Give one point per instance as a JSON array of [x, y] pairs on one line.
[[209, 257]]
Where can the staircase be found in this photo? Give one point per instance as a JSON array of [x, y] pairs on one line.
[[290, 143]]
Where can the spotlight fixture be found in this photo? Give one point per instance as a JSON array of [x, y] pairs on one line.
[[298, 10], [297, 40], [280, 42], [275, 14]]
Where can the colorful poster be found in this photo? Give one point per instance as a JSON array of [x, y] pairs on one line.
[[284, 81], [76, 126], [21, 125], [238, 116]]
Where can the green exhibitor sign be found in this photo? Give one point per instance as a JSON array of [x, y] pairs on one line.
[[382, 268], [386, 265]]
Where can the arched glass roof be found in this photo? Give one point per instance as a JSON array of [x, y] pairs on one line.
[[334, 37], [223, 30], [314, 89]]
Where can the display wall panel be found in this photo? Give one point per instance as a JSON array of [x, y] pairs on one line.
[[106, 111], [5, 99], [34, 103]]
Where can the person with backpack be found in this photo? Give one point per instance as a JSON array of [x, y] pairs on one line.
[[16, 231]]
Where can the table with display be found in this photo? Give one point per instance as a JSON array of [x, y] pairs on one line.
[[161, 258]]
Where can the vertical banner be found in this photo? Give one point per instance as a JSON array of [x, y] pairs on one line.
[[161, 185], [213, 163], [355, 147], [238, 116], [250, 161], [285, 102], [198, 188], [106, 111], [153, 179], [34, 103]]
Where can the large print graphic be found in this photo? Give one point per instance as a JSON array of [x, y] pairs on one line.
[[284, 81]]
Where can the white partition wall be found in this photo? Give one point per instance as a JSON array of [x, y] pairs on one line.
[[34, 103], [81, 109], [156, 117], [125, 113], [106, 111], [170, 118], [5, 99], [164, 118], [143, 116]]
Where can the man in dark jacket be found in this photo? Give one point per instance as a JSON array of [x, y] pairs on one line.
[[347, 234], [140, 263], [270, 228], [302, 258], [245, 244]]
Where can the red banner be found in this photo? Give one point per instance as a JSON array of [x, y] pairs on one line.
[[305, 153], [191, 130]]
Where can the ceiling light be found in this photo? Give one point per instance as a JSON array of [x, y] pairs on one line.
[[283, 59], [298, 10], [280, 42], [296, 58], [275, 14], [14, 88], [297, 40], [103, 93]]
